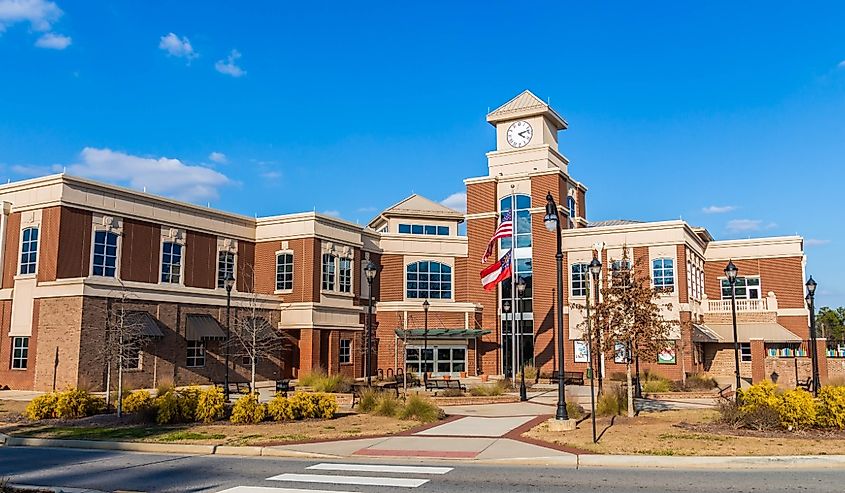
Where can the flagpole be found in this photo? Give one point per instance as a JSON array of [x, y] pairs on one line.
[[513, 284]]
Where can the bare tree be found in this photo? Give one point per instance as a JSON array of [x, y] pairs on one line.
[[631, 314], [253, 337]]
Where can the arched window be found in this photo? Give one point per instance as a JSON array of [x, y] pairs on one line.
[[429, 279], [522, 220], [105, 254], [570, 204]]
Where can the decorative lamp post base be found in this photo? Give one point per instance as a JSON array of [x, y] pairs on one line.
[[561, 424]]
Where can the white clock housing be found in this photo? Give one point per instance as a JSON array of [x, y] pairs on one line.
[[520, 133]]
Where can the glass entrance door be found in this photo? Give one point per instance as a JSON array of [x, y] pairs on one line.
[[437, 359]]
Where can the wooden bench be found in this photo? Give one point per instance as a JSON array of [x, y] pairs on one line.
[[441, 384], [283, 387], [806, 384], [235, 387], [570, 377], [386, 386]]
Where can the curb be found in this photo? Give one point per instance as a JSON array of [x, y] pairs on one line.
[[53, 489], [722, 462]]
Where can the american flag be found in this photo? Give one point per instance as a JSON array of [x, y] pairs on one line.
[[504, 230]]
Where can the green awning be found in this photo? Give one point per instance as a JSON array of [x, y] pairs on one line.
[[441, 333]]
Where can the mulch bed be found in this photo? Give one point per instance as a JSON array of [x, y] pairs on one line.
[[722, 429]]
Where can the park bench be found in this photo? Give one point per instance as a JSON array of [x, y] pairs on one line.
[[570, 377], [385, 386], [441, 384], [806, 384], [235, 387], [283, 387]]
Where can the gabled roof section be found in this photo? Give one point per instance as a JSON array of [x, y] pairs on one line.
[[524, 105], [417, 206]]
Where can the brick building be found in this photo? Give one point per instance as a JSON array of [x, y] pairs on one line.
[[73, 248]]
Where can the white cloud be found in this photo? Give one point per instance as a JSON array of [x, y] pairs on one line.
[[229, 66], [218, 157], [53, 41], [31, 170], [811, 242], [180, 48], [366, 209], [271, 175], [164, 176], [841, 64], [717, 209], [332, 213], [457, 201], [740, 225], [40, 14]]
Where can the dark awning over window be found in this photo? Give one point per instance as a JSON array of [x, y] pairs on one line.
[[441, 333], [203, 327], [146, 323]]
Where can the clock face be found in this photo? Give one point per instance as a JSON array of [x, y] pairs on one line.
[[519, 134]]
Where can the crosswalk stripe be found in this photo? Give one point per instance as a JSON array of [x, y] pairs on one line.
[[265, 489], [356, 480], [328, 466]]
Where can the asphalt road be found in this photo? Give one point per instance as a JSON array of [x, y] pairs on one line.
[[127, 471]]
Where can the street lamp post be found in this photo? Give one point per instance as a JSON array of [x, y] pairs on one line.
[[811, 295], [552, 221], [426, 304], [370, 272], [506, 308], [731, 271], [595, 270], [228, 283], [523, 392]]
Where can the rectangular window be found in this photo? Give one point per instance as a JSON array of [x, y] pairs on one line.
[[132, 358], [443, 230], [621, 272], [747, 288], [405, 228], [417, 229], [579, 279], [105, 254], [430, 230], [328, 272], [745, 351], [20, 352], [171, 262], [196, 354], [345, 355], [345, 275], [663, 273], [29, 250], [225, 267], [284, 272]]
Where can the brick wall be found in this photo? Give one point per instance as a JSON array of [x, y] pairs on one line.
[[781, 275], [15, 379], [10, 254], [392, 278], [140, 255], [200, 263], [719, 360], [245, 278], [681, 274], [74, 243], [48, 243], [481, 197]]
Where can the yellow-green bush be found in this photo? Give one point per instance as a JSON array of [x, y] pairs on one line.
[[167, 408], [139, 401], [188, 399], [211, 405], [830, 410], [303, 405], [248, 410], [42, 407], [759, 394], [420, 408], [77, 403], [796, 409]]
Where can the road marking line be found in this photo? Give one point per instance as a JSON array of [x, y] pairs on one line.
[[265, 489], [328, 466], [356, 480]]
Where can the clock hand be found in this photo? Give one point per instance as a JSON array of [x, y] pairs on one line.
[[522, 134]]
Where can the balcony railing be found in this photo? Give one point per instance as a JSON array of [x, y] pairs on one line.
[[760, 305]]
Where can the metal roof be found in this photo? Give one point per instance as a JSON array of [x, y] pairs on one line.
[[441, 333]]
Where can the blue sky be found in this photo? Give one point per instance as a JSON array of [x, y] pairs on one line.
[[729, 116]]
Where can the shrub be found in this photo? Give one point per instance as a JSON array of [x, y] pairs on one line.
[[760, 418], [187, 400], [698, 381], [320, 382], [497, 388], [760, 394], [387, 405], [574, 410], [656, 386], [531, 373], [139, 402], [613, 401], [729, 413], [452, 393], [368, 400], [796, 409], [304, 405], [211, 405], [830, 412], [247, 410], [77, 403], [421, 409], [167, 408], [42, 407]]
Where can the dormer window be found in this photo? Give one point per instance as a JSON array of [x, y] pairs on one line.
[[423, 229]]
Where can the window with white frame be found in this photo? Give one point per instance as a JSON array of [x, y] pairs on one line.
[[578, 277], [284, 271], [328, 272], [345, 354], [570, 204], [745, 351], [621, 272], [225, 267], [428, 279], [663, 273], [171, 262], [105, 254], [345, 275], [20, 352], [747, 288], [195, 355], [29, 250]]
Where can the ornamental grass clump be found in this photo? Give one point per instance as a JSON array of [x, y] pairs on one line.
[[420, 409]]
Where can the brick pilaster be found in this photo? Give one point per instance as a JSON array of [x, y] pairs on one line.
[[758, 360], [821, 354]]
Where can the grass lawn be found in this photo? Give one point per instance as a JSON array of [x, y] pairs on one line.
[[688, 432], [220, 433]]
